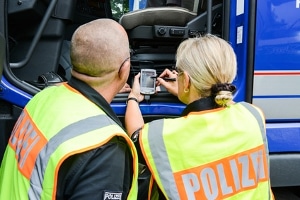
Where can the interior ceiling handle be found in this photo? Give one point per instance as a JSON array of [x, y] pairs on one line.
[[36, 37], [209, 16]]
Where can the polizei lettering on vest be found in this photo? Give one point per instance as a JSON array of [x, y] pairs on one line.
[[112, 196], [225, 177], [27, 141]]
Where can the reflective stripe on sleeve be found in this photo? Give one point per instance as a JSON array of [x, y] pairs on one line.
[[260, 122], [262, 129], [156, 136]]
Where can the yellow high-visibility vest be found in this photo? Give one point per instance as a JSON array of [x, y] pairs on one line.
[[37, 147], [213, 154]]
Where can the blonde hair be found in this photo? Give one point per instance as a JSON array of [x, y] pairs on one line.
[[209, 60]]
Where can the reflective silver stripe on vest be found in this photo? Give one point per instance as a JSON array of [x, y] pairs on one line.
[[166, 176], [155, 139], [260, 123], [262, 130], [67, 133]]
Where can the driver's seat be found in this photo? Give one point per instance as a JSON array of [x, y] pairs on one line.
[[168, 24], [155, 33]]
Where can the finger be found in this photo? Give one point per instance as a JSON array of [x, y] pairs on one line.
[[157, 83], [161, 81], [138, 75], [166, 72], [136, 78]]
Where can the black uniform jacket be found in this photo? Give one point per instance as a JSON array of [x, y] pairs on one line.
[[107, 169]]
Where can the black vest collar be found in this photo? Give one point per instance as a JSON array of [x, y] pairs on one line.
[[202, 104], [95, 97]]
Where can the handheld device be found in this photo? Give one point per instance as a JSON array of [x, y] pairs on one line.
[[147, 81]]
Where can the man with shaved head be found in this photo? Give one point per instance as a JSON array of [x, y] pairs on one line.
[[68, 143], [98, 50]]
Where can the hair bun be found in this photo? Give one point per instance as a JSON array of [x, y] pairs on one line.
[[216, 88]]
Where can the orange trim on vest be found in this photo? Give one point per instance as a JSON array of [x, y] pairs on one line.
[[70, 88], [78, 152], [205, 111], [238, 171], [151, 185], [67, 156]]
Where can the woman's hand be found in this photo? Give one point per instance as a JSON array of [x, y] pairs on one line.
[[136, 89], [133, 116], [171, 86]]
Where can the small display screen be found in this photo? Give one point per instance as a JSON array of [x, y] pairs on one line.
[[148, 79]]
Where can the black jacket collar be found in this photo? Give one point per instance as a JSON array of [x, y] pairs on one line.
[[202, 104], [95, 97]]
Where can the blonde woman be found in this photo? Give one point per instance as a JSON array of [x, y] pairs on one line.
[[217, 149]]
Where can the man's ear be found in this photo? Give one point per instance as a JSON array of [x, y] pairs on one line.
[[125, 70]]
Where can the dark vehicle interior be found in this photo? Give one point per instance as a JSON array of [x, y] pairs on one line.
[[40, 31]]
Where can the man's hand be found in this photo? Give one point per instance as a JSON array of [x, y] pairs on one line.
[[126, 88]]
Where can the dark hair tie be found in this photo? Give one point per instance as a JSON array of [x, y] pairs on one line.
[[223, 87]]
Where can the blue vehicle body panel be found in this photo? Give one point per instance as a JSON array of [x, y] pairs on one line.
[[157, 108], [13, 94], [283, 137], [278, 39], [277, 56], [238, 38]]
